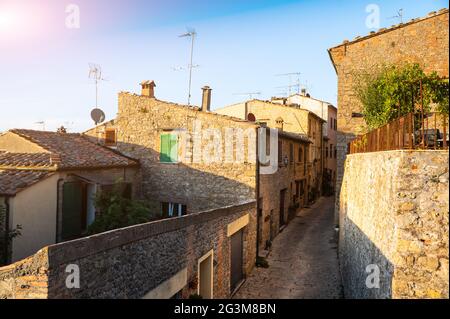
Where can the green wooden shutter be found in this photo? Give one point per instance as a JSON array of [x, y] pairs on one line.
[[169, 148], [164, 155], [173, 148]]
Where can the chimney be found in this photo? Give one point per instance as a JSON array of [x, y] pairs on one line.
[[304, 92], [148, 88], [206, 99]]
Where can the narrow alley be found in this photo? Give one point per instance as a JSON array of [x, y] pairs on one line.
[[303, 262]]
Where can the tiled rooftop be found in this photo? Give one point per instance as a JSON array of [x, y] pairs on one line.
[[66, 151], [13, 181]]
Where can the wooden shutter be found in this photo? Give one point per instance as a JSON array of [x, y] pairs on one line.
[[110, 137], [165, 148], [173, 148]]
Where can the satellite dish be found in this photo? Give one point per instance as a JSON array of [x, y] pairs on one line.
[[97, 115]]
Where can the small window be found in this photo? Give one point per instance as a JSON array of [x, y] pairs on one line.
[[300, 154], [110, 137], [251, 117], [169, 148], [326, 152], [169, 210], [291, 153], [335, 152]]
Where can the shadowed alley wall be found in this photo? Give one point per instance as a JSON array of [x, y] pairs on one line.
[[394, 212]]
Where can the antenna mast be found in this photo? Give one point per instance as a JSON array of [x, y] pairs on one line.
[[95, 72], [291, 85], [191, 34]]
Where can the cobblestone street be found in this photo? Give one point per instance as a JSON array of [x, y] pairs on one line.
[[303, 261]]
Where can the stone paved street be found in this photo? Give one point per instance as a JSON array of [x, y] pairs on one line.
[[303, 260]]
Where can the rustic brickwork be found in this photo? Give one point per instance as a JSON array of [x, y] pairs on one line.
[[395, 216], [199, 185], [288, 177], [423, 41], [289, 118], [130, 262]]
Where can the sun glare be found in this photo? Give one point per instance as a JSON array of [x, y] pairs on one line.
[[8, 20]]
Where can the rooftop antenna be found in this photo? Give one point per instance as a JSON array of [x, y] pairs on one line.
[[95, 73], [41, 123], [398, 16], [250, 94], [191, 33], [291, 84]]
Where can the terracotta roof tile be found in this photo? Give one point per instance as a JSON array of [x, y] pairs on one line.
[[41, 160], [66, 151], [13, 181]]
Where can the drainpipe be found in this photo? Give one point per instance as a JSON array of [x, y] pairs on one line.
[[257, 193], [58, 208], [6, 248]]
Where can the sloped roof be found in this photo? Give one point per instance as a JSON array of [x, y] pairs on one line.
[[66, 151], [41, 160], [393, 27], [12, 181], [295, 136]]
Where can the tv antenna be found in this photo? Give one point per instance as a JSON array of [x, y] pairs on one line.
[[292, 84], [191, 33], [41, 123], [250, 94], [95, 73], [398, 16]]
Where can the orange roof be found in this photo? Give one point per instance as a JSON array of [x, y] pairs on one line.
[[65, 151], [13, 181]]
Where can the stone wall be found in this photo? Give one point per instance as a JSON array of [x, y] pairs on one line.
[[422, 40], [134, 261], [284, 178], [198, 184], [394, 212]]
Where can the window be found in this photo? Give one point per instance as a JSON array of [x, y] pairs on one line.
[[291, 153], [300, 154], [335, 124], [331, 123], [331, 150], [169, 148], [173, 210], [110, 137], [326, 152], [251, 117], [335, 152]]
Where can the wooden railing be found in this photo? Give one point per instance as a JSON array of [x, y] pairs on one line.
[[411, 131]]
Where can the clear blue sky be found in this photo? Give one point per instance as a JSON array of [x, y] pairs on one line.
[[241, 46]]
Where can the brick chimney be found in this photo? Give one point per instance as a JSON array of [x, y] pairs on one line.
[[206, 99], [148, 88]]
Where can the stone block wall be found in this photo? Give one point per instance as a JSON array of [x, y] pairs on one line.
[[130, 262], [198, 184], [394, 213], [423, 40], [283, 179]]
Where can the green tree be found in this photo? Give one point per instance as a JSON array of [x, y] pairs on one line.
[[391, 91], [117, 211], [6, 236]]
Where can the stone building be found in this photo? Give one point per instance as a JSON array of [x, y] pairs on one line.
[[284, 191], [328, 113], [422, 40], [292, 119], [48, 182], [191, 159]]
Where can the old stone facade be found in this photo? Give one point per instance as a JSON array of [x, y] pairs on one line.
[[328, 113], [282, 193], [293, 119], [154, 260], [205, 173], [423, 41], [395, 219]]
